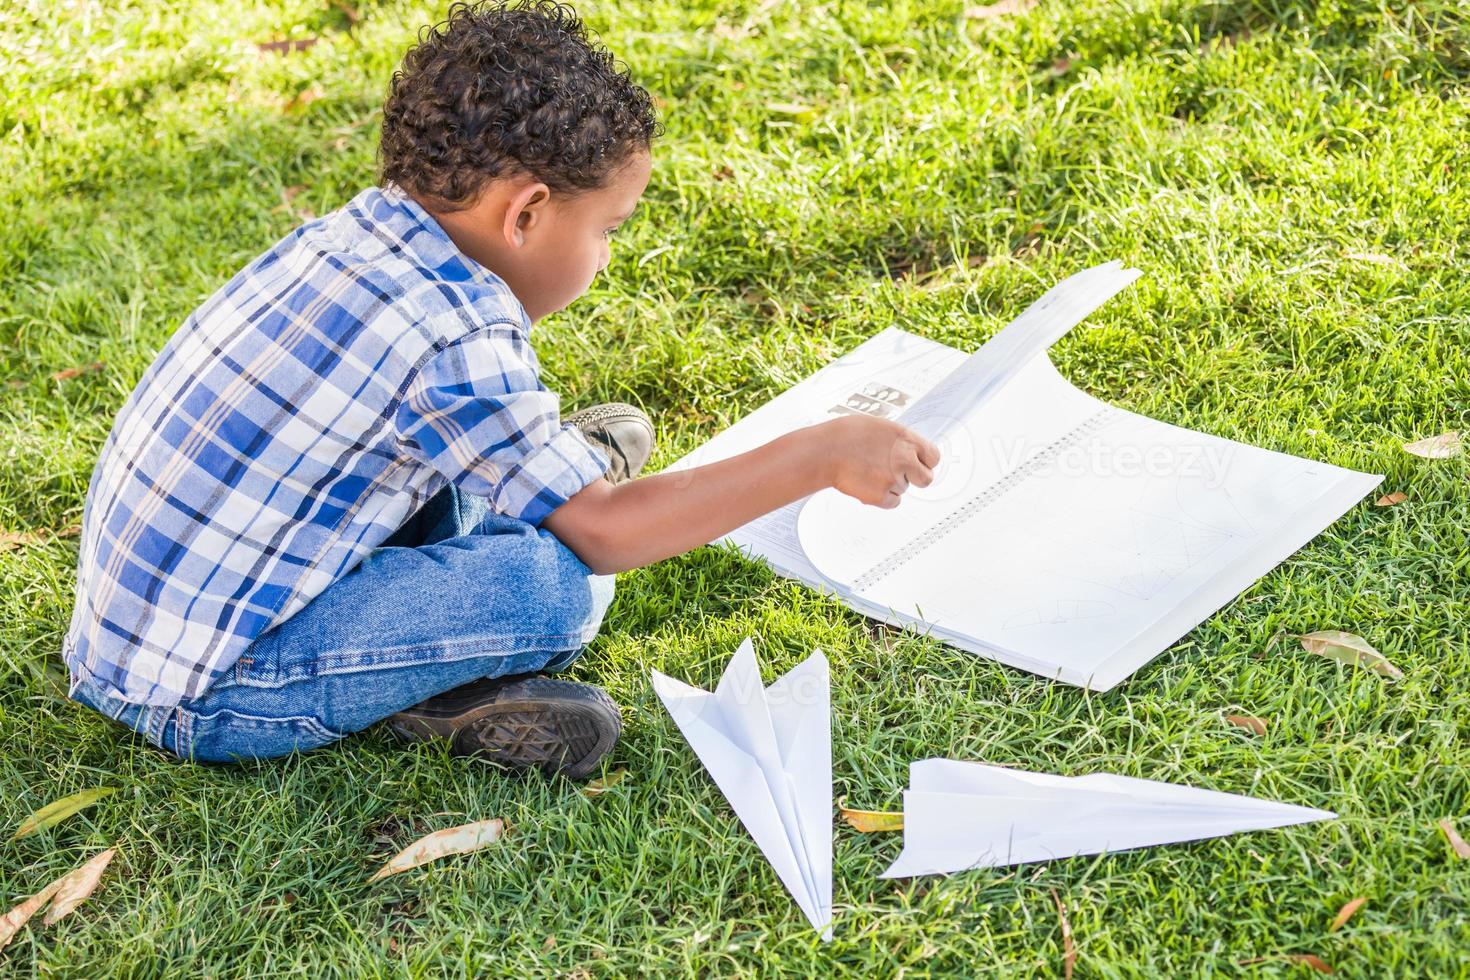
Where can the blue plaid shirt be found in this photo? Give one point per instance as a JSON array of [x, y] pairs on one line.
[[294, 421]]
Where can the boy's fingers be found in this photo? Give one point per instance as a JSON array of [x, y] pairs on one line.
[[928, 452], [921, 476]]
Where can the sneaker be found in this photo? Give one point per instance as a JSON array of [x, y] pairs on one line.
[[523, 722], [624, 432]]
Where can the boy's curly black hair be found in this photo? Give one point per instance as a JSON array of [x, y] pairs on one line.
[[502, 88]]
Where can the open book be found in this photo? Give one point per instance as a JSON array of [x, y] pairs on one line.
[[1061, 535]]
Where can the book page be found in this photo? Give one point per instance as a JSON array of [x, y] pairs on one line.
[[1080, 529], [882, 377], [985, 372]]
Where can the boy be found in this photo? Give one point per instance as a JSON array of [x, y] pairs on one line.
[[342, 494]]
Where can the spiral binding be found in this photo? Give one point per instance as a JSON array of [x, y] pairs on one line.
[[981, 500]]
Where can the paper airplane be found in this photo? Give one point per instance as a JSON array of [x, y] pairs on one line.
[[769, 750], [962, 815]]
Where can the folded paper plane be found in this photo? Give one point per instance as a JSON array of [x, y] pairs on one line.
[[962, 815], [769, 750]]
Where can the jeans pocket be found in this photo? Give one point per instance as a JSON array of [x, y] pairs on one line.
[[230, 736]]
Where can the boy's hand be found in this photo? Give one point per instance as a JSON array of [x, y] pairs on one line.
[[876, 460]]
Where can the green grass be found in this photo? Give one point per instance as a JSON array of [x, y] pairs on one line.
[[1290, 176]]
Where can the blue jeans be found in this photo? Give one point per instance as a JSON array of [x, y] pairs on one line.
[[456, 594]]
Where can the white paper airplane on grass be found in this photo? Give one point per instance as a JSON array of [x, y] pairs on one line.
[[769, 750], [962, 815]]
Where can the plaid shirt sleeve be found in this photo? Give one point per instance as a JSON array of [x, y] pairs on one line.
[[476, 412]]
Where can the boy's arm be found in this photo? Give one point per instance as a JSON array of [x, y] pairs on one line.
[[615, 528]]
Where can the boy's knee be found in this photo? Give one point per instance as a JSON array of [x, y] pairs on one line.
[[602, 588]]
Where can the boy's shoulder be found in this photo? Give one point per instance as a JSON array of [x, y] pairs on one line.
[[386, 252]]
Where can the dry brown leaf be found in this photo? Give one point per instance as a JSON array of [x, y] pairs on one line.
[[1069, 951], [871, 821], [19, 539], [1000, 9], [599, 786], [1442, 446], [285, 47], [77, 885], [1346, 912], [303, 98], [1351, 649], [442, 843], [1376, 258], [55, 812], [1391, 499], [1457, 843], [1306, 959], [1257, 725], [22, 913], [549, 945], [25, 539], [1309, 959], [65, 374]]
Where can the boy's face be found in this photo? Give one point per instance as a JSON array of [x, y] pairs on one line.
[[547, 246]]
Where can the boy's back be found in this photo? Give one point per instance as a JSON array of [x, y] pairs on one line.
[[294, 422]]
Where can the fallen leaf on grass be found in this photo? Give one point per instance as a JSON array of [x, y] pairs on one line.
[[798, 111], [442, 843], [19, 539], [1069, 951], [1442, 446], [1457, 843], [305, 97], [285, 47], [1257, 725], [65, 374], [25, 539], [77, 885], [1391, 499], [1351, 649], [871, 821], [599, 786], [1346, 912], [1305, 959], [22, 913], [1309, 959], [1376, 258], [999, 9], [53, 813]]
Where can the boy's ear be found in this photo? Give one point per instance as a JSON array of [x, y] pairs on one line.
[[523, 211]]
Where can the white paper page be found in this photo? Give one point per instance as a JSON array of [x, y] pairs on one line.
[[1084, 535], [848, 541], [882, 376], [984, 373]]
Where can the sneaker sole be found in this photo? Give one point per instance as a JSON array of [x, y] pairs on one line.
[[538, 723]]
